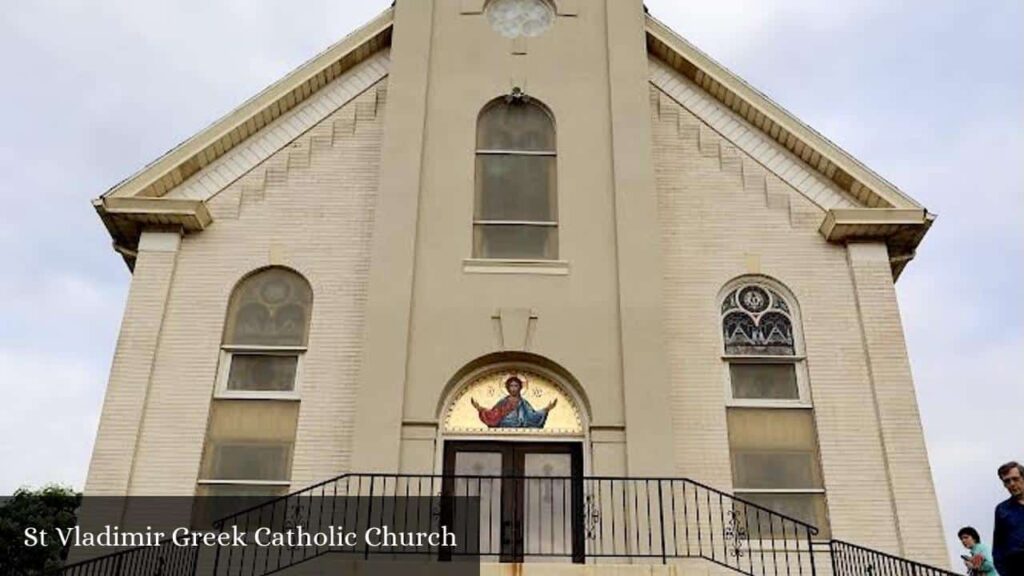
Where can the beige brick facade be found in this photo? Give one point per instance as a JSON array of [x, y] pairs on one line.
[[326, 180], [716, 200], [131, 373], [673, 181], [892, 388]]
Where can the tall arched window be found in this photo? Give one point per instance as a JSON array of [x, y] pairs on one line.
[[516, 212], [772, 436], [254, 414]]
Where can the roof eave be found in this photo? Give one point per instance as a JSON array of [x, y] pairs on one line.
[[212, 142], [888, 215], [126, 218], [137, 203], [901, 229], [820, 153]]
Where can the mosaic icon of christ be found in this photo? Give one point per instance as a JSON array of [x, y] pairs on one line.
[[513, 411]]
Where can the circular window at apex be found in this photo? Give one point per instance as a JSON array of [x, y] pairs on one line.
[[520, 18]]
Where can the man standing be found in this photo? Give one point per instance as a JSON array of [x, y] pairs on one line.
[[1008, 538]]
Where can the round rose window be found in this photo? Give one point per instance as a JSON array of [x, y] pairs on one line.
[[516, 18]]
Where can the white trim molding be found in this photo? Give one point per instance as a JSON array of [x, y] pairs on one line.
[[265, 143]]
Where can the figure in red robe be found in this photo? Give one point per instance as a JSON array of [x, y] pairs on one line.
[[513, 411]]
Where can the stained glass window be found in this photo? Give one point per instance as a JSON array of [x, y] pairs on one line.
[[772, 436], [254, 414], [266, 331], [757, 320], [269, 308]]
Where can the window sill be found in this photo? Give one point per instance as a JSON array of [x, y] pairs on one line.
[[762, 359], [739, 492], [768, 403], [244, 482], [255, 395], [502, 266], [263, 350]]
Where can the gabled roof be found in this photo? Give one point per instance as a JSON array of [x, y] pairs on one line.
[[886, 213], [138, 201], [883, 211]]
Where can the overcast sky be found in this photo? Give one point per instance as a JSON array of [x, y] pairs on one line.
[[930, 94]]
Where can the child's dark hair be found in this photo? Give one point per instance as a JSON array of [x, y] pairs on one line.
[[969, 531]]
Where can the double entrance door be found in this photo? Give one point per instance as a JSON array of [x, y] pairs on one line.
[[530, 494]]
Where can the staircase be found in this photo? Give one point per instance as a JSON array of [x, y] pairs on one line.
[[675, 522]]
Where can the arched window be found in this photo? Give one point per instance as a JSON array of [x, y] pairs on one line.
[[516, 212], [772, 436], [757, 320], [266, 332], [254, 414]]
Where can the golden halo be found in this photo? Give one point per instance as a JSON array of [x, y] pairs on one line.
[[524, 382]]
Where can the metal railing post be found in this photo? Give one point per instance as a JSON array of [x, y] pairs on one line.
[[195, 561], [810, 551], [832, 553], [369, 517], [661, 523]]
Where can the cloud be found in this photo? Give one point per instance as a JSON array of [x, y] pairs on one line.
[[59, 312], [51, 410], [106, 88], [736, 30]]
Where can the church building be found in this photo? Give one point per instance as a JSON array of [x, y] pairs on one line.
[[544, 252]]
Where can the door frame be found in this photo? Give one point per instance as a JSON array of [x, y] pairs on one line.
[[512, 498]]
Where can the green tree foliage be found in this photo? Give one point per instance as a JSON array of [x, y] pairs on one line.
[[48, 508]]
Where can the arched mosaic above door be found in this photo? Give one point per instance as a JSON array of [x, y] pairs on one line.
[[513, 402]]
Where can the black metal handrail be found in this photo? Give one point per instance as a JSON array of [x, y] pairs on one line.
[[518, 518], [165, 559], [523, 517], [853, 560]]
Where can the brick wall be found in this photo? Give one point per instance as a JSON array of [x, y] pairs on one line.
[[131, 371], [896, 405], [310, 207], [724, 215]]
